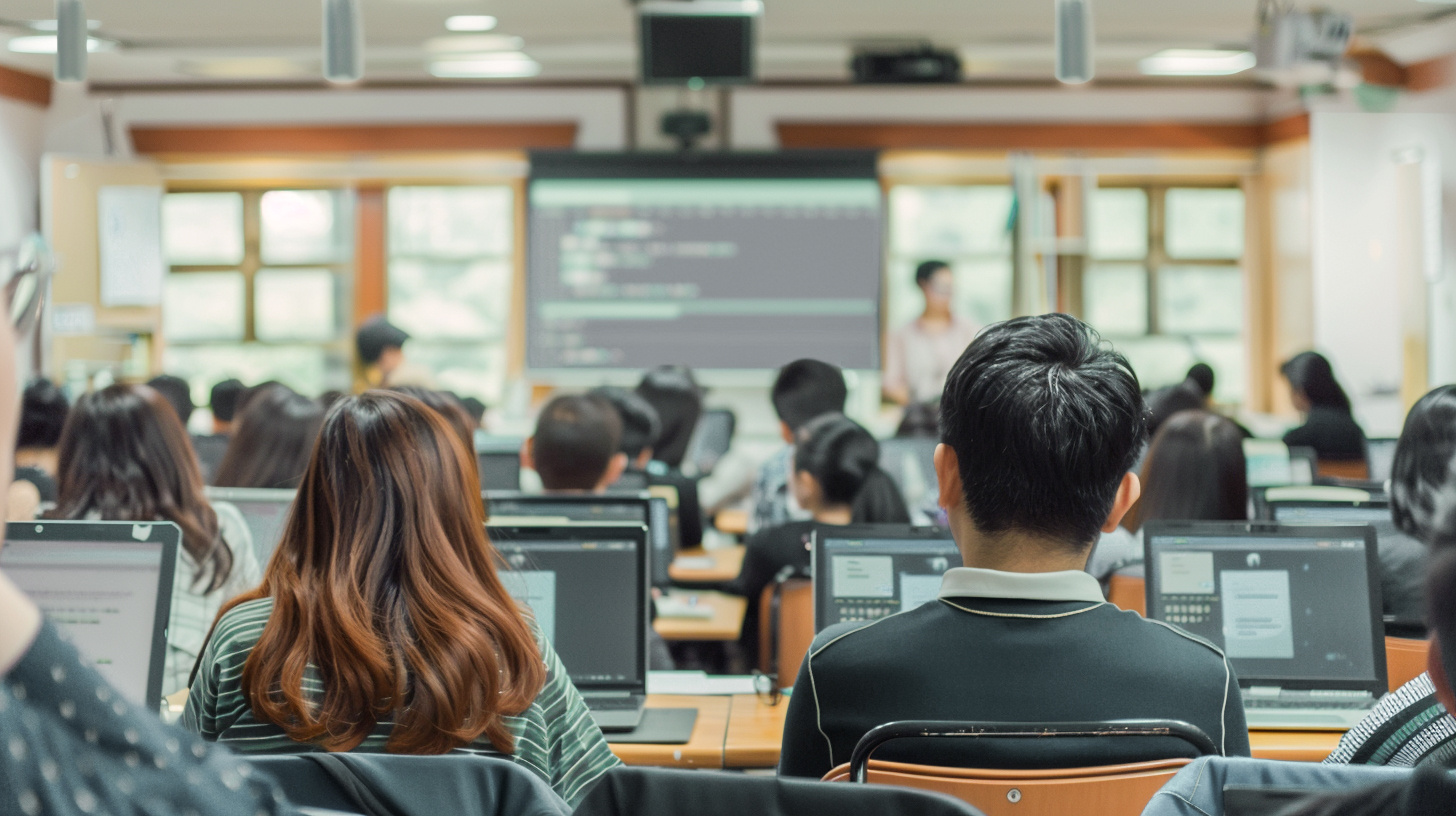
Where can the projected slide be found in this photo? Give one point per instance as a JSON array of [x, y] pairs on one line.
[[715, 273]]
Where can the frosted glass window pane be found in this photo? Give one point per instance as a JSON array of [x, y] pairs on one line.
[[1201, 300], [450, 300], [304, 226], [1115, 299], [309, 370], [1159, 360], [203, 306], [294, 305], [1229, 359], [451, 222], [470, 370], [982, 291], [942, 222], [1118, 227], [1205, 223], [203, 229]]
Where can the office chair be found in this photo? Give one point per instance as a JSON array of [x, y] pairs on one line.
[[711, 439], [1405, 660], [786, 626]]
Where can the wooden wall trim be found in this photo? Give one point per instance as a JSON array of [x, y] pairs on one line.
[[1021, 136], [1431, 74], [1288, 129], [24, 86], [361, 138]]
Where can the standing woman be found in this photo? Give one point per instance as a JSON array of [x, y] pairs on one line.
[[382, 625], [125, 457], [1329, 426]]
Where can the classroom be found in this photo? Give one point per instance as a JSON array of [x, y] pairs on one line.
[[550, 407]]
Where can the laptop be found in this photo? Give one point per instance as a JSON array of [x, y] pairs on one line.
[[587, 586], [1271, 463], [869, 571], [210, 450], [265, 511], [499, 459], [107, 585], [1296, 608], [651, 508], [1380, 453]]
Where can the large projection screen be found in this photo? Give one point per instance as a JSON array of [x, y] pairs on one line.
[[727, 262]]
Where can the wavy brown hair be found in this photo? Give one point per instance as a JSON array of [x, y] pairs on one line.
[[125, 456], [385, 583]]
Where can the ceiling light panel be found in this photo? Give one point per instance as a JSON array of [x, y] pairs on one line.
[[470, 22], [1196, 62]]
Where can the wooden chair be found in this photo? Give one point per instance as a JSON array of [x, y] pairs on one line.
[[1128, 592], [1109, 790], [785, 627], [1355, 470], [1405, 659]]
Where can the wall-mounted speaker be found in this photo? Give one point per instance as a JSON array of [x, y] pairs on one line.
[[71, 36], [1074, 41], [343, 41]]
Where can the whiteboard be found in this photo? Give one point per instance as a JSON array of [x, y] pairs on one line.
[[129, 224]]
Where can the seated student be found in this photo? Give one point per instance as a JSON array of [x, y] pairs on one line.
[[270, 445], [675, 395], [640, 425], [43, 410], [1040, 427], [576, 446], [1410, 726], [448, 406], [382, 624], [224, 405], [177, 393], [803, 390], [1195, 393], [125, 457], [1329, 427], [1194, 471]]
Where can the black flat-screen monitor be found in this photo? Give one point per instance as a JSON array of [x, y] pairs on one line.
[[711, 42]]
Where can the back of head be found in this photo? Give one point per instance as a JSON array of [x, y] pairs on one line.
[[385, 582], [1045, 422], [926, 270], [475, 408], [1195, 471], [1312, 375], [845, 460], [1202, 376], [1423, 474], [674, 394], [43, 411], [376, 335], [575, 440], [178, 394], [270, 445], [449, 407], [807, 389], [224, 400], [640, 423], [1164, 403], [124, 456]]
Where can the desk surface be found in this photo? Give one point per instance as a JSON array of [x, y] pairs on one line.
[[704, 750], [726, 623], [727, 562], [732, 522], [1294, 746]]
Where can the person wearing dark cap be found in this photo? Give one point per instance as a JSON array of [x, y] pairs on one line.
[[381, 351], [224, 405]]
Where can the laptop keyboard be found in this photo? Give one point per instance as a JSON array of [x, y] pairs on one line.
[[1350, 705], [614, 703]]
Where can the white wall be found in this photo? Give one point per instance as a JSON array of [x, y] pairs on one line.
[[22, 129]]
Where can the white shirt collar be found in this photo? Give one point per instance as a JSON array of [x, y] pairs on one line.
[[1071, 585]]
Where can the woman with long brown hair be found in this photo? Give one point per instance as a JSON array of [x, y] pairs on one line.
[[269, 447], [124, 456], [381, 623]]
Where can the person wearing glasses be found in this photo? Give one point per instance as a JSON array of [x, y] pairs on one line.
[[921, 353]]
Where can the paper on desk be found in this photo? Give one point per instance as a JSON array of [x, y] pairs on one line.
[[698, 683], [694, 562]]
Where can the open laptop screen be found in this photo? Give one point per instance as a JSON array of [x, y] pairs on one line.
[[104, 592], [1293, 605], [507, 509], [860, 577], [587, 589]]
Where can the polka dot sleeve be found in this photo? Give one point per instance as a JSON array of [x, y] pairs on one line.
[[70, 745]]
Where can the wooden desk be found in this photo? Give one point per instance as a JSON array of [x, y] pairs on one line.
[[732, 522], [726, 623], [727, 563], [704, 750], [755, 732], [1294, 746]]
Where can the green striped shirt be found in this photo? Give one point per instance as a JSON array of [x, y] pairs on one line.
[[555, 737]]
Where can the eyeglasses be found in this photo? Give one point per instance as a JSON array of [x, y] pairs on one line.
[[766, 686], [24, 272]]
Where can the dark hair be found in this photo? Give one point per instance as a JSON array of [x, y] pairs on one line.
[[808, 389], [43, 410], [475, 407], [224, 399], [270, 445], [126, 457], [178, 394], [921, 421], [376, 335], [1441, 603], [845, 460], [1423, 473], [1045, 421], [448, 406], [675, 395], [330, 398], [575, 440], [1201, 375], [1310, 374], [386, 586], [925, 271], [1194, 471], [640, 424]]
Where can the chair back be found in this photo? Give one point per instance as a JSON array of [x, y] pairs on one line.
[[711, 439], [1356, 470], [786, 627], [1128, 592], [1405, 659]]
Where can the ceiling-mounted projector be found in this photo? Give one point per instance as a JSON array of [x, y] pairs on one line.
[[697, 42], [1291, 41], [916, 64]]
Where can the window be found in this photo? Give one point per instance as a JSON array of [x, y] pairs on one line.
[[968, 227], [451, 267], [1164, 281], [257, 286]]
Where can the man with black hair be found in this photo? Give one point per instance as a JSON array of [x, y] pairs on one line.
[[224, 404], [919, 354], [381, 356], [177, 393], [1040, 424], [640, 424], [576, 446], [803, 391]]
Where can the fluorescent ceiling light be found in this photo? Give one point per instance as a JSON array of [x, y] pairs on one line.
[[473, 43], [486, 66], [50, 25], [248, 68], [46, 44], [470, 22], [1196, 62]]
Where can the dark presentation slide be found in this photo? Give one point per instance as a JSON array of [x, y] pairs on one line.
[[735, 262]]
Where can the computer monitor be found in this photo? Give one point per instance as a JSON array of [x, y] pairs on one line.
[[640, 507], [1380, 453], [587, 587], [499, 458], [1293, 606], [1272, 463], [210, 450], [107, 585], [264, 510], [866, 572]]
